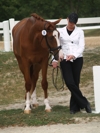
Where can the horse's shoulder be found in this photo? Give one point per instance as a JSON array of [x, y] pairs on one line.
[[17, 26]]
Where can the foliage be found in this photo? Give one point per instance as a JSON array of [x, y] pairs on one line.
[[53, 9]]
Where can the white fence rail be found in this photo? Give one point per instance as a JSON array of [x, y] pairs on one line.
[[4, 26], [7, 26]]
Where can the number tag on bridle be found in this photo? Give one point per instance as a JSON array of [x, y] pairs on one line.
[[44, 32]]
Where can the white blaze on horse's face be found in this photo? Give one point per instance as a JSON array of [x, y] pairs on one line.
[[55, 34]]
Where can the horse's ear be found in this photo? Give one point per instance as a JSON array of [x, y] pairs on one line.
[[57, 21], [52, 23]]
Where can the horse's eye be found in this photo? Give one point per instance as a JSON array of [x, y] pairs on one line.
[[55, 36]]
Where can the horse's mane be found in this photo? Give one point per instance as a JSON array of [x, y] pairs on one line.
[[37, 17]]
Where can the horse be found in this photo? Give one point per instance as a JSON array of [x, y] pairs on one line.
[[34, 38]]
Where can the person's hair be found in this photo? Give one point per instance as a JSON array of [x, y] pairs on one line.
[[73, 17]]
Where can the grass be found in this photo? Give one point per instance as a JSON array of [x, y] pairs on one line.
[[91, 58], [93, 32], [12, 91], [59, 114], [12, 82]]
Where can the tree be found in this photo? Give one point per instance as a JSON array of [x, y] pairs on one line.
[[48, 9]]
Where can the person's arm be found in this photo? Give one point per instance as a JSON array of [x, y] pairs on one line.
[[81, 45], [61, 57]]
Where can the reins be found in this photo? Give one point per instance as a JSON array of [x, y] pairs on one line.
[[55, 76]]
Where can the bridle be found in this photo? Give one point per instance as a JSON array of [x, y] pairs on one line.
[[45, 36]]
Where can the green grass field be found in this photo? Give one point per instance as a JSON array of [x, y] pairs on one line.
[[93, 32], [12, 83], [59, 114], [12, 91]]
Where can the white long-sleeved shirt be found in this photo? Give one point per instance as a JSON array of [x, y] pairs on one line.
[[72, 44]]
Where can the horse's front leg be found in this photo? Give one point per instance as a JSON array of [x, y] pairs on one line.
[[44, 84], [27, 109], [28, 85]]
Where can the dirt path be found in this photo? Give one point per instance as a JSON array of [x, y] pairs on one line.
[[91, 127]]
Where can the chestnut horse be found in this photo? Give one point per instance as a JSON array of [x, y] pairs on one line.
[[33, 39]]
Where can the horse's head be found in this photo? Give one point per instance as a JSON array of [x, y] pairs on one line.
[[46, 34], [51, 37]]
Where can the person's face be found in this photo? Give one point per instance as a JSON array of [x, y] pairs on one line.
[[70, 24]]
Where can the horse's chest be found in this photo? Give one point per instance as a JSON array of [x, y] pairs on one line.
[[37, 58]]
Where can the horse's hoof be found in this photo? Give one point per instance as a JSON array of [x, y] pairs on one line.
[[27, 111], [48, 110]]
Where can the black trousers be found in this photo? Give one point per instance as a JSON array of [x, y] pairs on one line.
[[71, 73]]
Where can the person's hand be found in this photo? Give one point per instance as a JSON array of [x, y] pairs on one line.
[[70, 57], [55, 64]]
